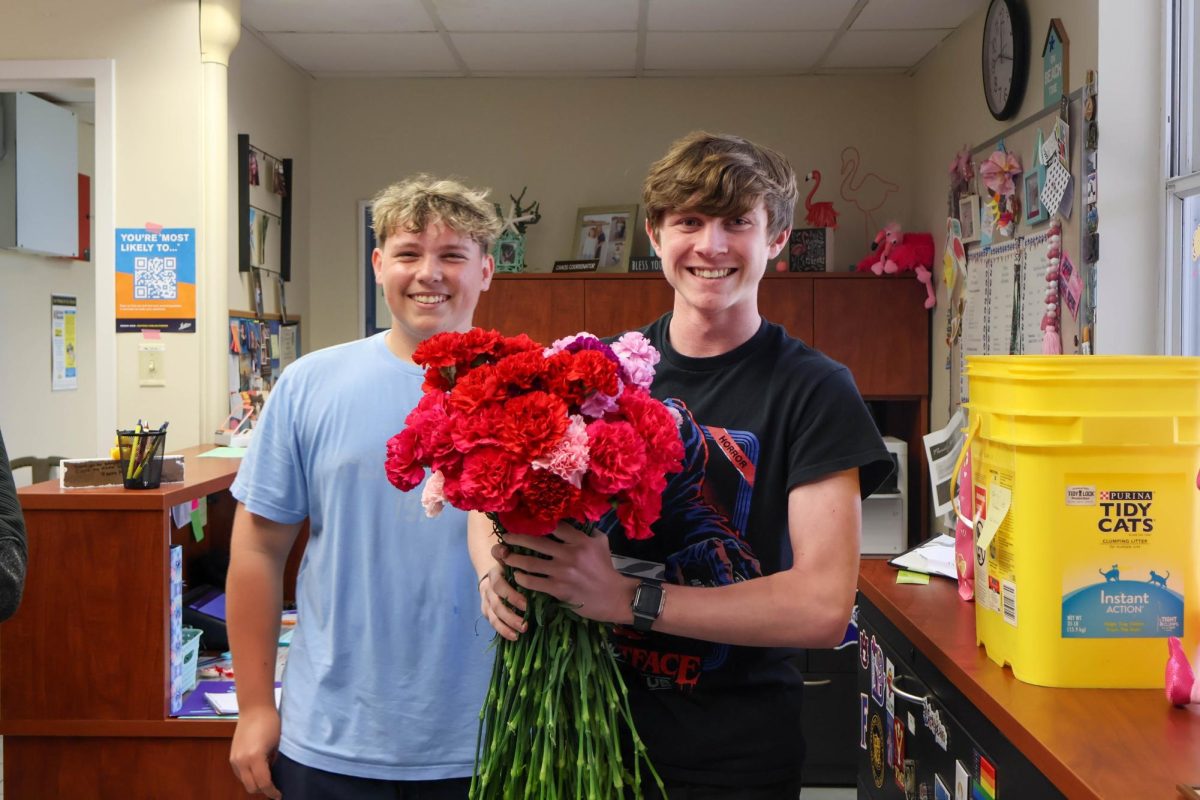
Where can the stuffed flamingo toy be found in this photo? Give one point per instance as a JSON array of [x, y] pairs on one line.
[[893, 252]]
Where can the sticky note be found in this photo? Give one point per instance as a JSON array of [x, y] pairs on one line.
[[905, 576]]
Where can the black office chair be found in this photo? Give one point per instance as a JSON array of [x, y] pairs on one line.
[[40, 467]]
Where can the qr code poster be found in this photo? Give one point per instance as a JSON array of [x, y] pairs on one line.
[[156, 279]]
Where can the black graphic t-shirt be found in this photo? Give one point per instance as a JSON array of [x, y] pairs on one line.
[[758, 421]]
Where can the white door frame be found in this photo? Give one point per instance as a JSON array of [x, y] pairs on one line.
[[42, 75]]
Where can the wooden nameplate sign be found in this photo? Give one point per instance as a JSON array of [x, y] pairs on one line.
[[95, 473]]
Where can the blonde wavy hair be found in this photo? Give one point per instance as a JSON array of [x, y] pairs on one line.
[[416, 203]]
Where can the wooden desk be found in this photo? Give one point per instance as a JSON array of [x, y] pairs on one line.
[[86, 679], [1090, 743]]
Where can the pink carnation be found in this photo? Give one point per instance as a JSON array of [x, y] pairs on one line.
[[569, 457], [637, 357], [598, 404], [433, 495]]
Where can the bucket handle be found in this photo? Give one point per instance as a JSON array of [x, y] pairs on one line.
[[972, 429]]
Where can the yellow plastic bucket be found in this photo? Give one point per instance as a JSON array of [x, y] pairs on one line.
[[1084, 473]]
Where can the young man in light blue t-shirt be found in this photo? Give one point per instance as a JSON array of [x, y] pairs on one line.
[[388, 667]]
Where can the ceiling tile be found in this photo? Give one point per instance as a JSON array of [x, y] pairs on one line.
[[880, 49], [793, 51], [319, 16], [547, 52], [889, 15], [748, 15], [380, 53], [537, 15]]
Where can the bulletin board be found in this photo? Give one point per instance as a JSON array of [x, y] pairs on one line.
[[1003, 293], [260, 349]]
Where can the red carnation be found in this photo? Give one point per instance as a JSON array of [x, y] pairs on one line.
[[532, 424], [476, 389], [545, 499], [403, 466], [618, 456], [474, 430], [489, 478], [639, 508], [521, 370], [520, 343]]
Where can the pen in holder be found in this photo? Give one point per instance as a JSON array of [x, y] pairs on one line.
[[142, 456]]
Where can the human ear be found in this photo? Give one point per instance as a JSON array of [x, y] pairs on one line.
[[776, 245], [650, 233], [377, 264]]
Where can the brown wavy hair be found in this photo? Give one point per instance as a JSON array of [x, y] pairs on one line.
[[722, 176]]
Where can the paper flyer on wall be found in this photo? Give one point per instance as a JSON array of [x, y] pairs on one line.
[[63, 375], [941, 452]]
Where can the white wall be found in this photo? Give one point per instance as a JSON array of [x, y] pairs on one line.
[[950, 112], [577, 143], [1132, 168]]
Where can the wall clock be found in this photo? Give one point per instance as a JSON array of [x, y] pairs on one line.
[[1005, 56]]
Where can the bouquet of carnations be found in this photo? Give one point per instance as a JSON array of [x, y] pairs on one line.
[[535, 436]]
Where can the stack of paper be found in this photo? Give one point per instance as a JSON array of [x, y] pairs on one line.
[[933, 557]]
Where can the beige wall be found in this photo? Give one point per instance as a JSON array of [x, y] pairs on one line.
[[577, 143], [269, 100], [35, 420], [155, 46], [950, 111]]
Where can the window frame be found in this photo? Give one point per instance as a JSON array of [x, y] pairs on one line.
[[1181, 285]]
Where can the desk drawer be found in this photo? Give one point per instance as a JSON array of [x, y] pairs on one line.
[[932, 744]]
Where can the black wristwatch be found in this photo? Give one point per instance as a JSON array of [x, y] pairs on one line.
[[648, 602]]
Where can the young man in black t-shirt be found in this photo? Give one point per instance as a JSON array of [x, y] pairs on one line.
[[760, 533]]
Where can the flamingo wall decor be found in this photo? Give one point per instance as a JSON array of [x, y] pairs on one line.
[[822, 214], [867, 192]]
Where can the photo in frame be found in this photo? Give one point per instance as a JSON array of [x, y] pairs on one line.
[[1035, 212], [509, 252], [810, 250], [968, 217], [605, 233]]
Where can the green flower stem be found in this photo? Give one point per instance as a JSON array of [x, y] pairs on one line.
[[550, 727]]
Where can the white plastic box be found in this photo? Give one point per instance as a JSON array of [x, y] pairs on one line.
[[885, 515]]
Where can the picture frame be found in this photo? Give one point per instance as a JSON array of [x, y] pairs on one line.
[[968, 217], [509, 252], [810, 250], [605, 233], [1035, 212]]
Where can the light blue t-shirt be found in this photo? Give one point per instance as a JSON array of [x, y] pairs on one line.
[[390, 661]]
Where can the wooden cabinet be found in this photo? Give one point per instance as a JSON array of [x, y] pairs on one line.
[[879, 329], [1087, 743], [876, 326], [86, 659]]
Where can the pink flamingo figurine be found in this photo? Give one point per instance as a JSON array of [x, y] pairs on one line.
[[822, 214], [1180, 682]]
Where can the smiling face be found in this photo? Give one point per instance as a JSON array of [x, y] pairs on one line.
[[432, 280], [715, 263]]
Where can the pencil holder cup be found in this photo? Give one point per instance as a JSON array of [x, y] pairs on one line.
[[141, 458]]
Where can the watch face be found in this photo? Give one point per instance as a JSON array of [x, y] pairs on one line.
[[1005, 53]]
